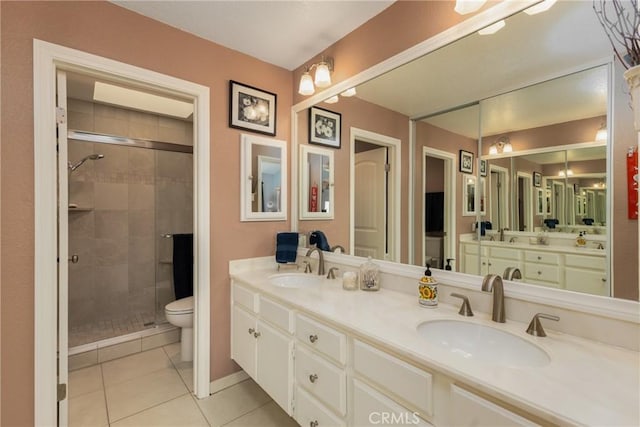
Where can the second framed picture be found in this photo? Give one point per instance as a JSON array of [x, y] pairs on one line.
[[537, 179], [466, 161], [483, 168], [324, 127], [252, 109]]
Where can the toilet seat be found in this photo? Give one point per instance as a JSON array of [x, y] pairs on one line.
[[180, 306]]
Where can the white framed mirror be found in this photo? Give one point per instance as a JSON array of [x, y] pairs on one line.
[[317, 183], [263, 179], [469, 196]]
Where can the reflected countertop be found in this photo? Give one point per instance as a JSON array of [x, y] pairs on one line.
[[585, 383]]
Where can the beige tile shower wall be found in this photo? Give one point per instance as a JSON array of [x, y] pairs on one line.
[[100, 118]]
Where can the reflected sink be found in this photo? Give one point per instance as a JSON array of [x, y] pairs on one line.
[[482, 343], [295, 280]]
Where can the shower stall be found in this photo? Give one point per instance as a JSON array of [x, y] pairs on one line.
[[127, 197]]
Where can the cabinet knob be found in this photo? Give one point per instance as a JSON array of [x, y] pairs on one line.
[[539, 272], [256, 334], [539, 258], [313, 377], [489, 264], [313, 423], [604, 280], [251, 331], [313, 338]]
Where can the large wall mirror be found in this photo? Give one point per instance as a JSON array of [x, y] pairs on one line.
[[545, 86]]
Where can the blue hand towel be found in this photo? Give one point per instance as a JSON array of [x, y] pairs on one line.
[[286, 247], [320, 240]]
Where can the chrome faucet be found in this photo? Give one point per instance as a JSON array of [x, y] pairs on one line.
[[512, 273], [320, 259], [493, 283], [502, 230]]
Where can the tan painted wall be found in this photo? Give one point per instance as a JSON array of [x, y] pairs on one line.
[[107, 30]]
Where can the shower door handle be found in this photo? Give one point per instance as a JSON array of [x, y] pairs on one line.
[[74, 259]]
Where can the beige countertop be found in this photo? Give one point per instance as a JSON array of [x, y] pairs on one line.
[[585, 383]]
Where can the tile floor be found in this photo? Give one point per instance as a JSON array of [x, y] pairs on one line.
[[104, 329], [153, 388]]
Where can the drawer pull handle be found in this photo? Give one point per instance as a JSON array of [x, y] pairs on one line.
[[539, 258], [604, 280], [313, 377], [251, 331], [313, 423], [313, 338], [256, 334]]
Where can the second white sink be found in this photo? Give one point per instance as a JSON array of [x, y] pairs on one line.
[[483, 344], [295, 280]]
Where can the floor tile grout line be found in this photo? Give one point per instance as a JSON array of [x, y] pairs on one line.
[[195, 400], [176, 368], [104, 394], [248, 412], [149, 408]]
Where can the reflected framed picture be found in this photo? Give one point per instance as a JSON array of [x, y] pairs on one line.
[[483, 168], [466, 162], [324, 127], [252, 109], [537, 179]]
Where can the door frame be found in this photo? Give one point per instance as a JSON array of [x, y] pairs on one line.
[[527, 198], [395, 156], [450, 186], [47, 58], [505, 217]]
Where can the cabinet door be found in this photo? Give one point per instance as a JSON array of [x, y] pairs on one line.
[[587, 281], [275, 370], [243, 342], [370, 407], [469, 409], [499, 265]]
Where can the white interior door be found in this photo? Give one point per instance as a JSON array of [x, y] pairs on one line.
[[63, 246], [370, 218]]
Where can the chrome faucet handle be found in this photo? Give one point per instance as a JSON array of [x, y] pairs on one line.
[[535, 327], [307, 267], [465, 309], [331, 274]]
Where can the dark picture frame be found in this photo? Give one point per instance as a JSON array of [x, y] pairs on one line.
[[537, 179], [465, 163], [325, 127], [483, 168], [252, 109]]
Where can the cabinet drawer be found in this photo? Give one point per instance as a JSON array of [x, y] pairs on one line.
[[322, 379], [505, 253], [583, 261], [322, 338], [276, 314], [545, 273], [403, 380], [468, 409], [310, 412], [471, 248], [245, 298], [542, 257], [373, 408]]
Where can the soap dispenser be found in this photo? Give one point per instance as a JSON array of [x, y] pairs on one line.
[[369, 276], [448, 266], [581, 242], [428, 290]]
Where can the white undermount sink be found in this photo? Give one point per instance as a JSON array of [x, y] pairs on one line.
[[482, 343], [295, 280]]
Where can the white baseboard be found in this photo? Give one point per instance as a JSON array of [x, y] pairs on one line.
[[228, 381]]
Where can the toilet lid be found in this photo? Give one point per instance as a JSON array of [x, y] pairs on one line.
[[183, 305]]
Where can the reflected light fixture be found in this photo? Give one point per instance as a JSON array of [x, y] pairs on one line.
[[492, 29], [468, 6], [601, 134], [540, 7], [332, 100], [502, 145], [564, 173], [349, 92], [322, 76]]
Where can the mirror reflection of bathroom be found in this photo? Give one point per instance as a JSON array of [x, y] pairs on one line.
[[266, 190], [130, 218]]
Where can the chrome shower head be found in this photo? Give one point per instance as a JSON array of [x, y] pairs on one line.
[[73, 167]]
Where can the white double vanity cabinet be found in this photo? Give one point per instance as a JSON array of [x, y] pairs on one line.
[[331, 357]]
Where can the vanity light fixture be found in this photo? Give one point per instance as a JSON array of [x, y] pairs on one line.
[[468, 6], [322, 76], [540, 7], [492, 29], [502, 145], [349, 92], [601, 134], [332, 100], [564, 173]]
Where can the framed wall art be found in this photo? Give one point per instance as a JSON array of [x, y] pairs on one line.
[[466, 161], [483, 168], [252, 109], [324, 127], [537, 179]]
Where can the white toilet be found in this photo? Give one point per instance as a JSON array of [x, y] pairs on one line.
[[180, 313]]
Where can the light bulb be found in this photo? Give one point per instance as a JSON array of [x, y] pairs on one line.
[[323, 78], [467, 6], [306, 84], [508, 148], [493, 149]]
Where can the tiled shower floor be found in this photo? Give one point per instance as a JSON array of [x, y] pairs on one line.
[[104, 329]]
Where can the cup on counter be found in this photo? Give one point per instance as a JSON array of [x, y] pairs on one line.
[[350, 281]]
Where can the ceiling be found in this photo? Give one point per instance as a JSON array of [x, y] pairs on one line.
[[478, 67], [283, 33]]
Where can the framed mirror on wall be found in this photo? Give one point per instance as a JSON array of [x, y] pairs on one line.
[[415, 93], [316, 185], [263, 179]]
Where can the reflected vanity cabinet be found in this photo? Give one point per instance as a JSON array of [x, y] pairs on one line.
[[322, 375]]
